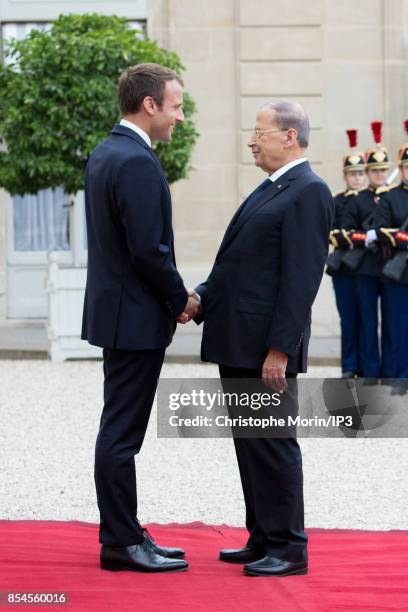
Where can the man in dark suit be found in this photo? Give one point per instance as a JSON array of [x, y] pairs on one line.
[[256, 309], [133, 298]]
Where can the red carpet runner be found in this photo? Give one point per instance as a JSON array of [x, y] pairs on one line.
[[348, 571]]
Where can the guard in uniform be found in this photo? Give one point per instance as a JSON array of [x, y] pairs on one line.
[[343, 278], [358, 218], [391, 225]]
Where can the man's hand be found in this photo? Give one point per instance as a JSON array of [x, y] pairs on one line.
[[192, 309], [274, 369]]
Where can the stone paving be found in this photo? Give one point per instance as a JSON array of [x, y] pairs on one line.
[[49, 420]]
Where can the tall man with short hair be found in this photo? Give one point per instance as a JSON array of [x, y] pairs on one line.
[[134, 295], [256, 309]]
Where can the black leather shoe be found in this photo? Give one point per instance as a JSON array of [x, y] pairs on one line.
[[164, 551], [138, 558], [398, 390], [271, 566], [346, 375], [247, 554]]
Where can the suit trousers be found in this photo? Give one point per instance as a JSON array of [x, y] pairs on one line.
[[272, 482], [130, 384]]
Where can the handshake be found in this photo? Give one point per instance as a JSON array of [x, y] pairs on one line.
[[192, 309]]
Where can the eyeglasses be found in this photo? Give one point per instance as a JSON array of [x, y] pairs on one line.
[[259, 132]]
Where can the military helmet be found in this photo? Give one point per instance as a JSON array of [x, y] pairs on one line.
[[377, 157], [353, 159], [403, 150]]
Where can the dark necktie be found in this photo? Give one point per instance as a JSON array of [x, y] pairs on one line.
[[253, 197], [260, 187]]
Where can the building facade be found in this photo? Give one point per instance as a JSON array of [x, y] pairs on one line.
[[344, 61]]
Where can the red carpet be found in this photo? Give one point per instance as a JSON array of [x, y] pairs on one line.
[[348, 570]]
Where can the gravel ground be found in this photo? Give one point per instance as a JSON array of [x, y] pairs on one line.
[[50, 416]]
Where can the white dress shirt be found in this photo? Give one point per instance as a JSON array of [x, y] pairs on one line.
[[274, 177], [137, 129]]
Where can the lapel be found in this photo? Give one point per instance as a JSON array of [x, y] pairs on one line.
[[233, 224], [125, 131], [276, 188]]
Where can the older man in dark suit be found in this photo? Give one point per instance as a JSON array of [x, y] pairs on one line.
[[257, 311], [134, 295]]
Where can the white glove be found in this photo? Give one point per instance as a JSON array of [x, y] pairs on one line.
[[371, 236]]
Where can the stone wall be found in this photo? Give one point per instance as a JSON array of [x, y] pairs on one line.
[[345, 61]]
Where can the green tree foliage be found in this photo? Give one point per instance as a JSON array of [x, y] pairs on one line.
[[58, 100]]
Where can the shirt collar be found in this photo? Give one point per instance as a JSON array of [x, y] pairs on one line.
[[274, 177], [137, 129]]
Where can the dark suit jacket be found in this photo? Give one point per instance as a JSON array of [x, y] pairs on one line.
[[133, 292], [267, 272]]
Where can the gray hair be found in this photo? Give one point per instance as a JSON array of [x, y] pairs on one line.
[[291, 115]]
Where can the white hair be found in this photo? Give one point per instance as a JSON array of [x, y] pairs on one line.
[[291, 115]]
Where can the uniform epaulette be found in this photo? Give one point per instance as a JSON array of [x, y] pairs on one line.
[[382, 189], [393, 185], [351, 192]]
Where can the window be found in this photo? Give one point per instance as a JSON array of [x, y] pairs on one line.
[[41, 222]]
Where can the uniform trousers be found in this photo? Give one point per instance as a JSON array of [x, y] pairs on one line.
[[345, 290], [370, 292], [396, 295]]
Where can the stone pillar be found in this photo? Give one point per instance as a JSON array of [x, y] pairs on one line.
[[204, 37], [395, 68], [365, 75], [280, 52]]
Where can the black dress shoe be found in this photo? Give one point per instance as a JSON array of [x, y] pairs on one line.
[[247, 554], [271, 566], [164, 551], [398, 389], [348, 374], [139, 558]]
